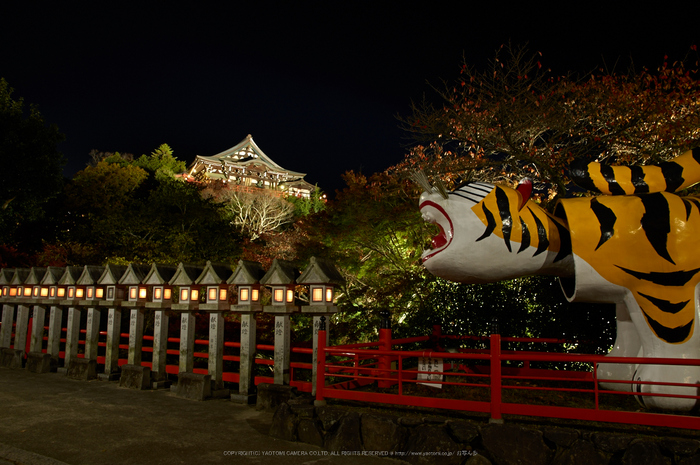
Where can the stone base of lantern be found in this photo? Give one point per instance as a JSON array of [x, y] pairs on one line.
[[82, 369], [38, 362], [193, 386], [220, 393], [272, 395], [135, 377], [116, 376], [11, 358], [159, 380], [246, 399]]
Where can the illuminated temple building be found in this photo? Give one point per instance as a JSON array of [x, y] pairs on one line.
[[246, 166]]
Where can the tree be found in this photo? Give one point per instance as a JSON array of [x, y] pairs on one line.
[[32, 171], [373, 232], [254, 213], [161, 163], [123, 210], [515, 118]]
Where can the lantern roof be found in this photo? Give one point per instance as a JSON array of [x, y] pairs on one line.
[[112, 274], [6, 275], [160, 274], [281, 272], [35, 275], [320, 271], [70, 276], [20, 276], [134, 274], [247, 272], [185, 275], [91, 275], [53, 275], [214, 274]]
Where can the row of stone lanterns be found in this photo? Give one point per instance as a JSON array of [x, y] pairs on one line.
[[183, 289]]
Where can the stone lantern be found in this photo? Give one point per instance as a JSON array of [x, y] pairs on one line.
[[15, 298], [114, 291], [50, 283], [17, 285], [33, 287], [187, 304], [136, 296], [281, 278], [158, 278], [113, 296], [8, 308], [92, 292], [322, 278], [67, 292], [246, 277], [213, 281], [6, 275]]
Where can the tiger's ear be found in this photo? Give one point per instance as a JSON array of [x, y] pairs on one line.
[[525, 190]]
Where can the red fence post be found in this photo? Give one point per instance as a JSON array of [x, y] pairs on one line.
[[321, 363], [29, 337], [495, 353], [384, 361]]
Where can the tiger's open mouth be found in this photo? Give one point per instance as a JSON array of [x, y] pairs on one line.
[[435, 214]]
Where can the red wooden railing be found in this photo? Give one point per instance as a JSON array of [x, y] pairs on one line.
[[335, 376]]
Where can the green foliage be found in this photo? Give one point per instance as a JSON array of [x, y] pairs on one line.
[[161, 162], [32, 175], [124, 211], [374, 234], [314, 204], [526, 307]]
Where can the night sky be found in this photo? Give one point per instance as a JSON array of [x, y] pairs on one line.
[[318, 85]]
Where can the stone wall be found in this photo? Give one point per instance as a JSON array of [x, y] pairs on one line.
[[428, 439]]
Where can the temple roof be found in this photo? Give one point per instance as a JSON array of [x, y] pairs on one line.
[[245, 153]]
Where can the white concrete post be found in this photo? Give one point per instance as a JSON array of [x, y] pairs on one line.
[[135, 336], [21, 327], [72, 335], [160, 344], [8, 319], [187, 326], [92, 333], [114, 327], [37, 336], [247, 354], [282, 349], [55, 320], [216, 349]]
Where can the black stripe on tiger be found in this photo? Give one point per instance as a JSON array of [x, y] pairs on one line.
[[490, 223], [506, 218], [609, 176], [525, 241], [671, 278], [637, 176], [665, 305], [606, 219], [564, 242], [670, 335], [657, 225], [543, 243]]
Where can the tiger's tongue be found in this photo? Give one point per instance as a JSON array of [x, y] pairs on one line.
[[439, 240]]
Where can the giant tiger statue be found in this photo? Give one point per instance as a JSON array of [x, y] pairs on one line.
[[637, 245]]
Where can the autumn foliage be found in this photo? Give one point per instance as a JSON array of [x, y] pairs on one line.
[[515, 118]]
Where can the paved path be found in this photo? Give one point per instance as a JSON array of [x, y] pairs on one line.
[[49, 419]]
